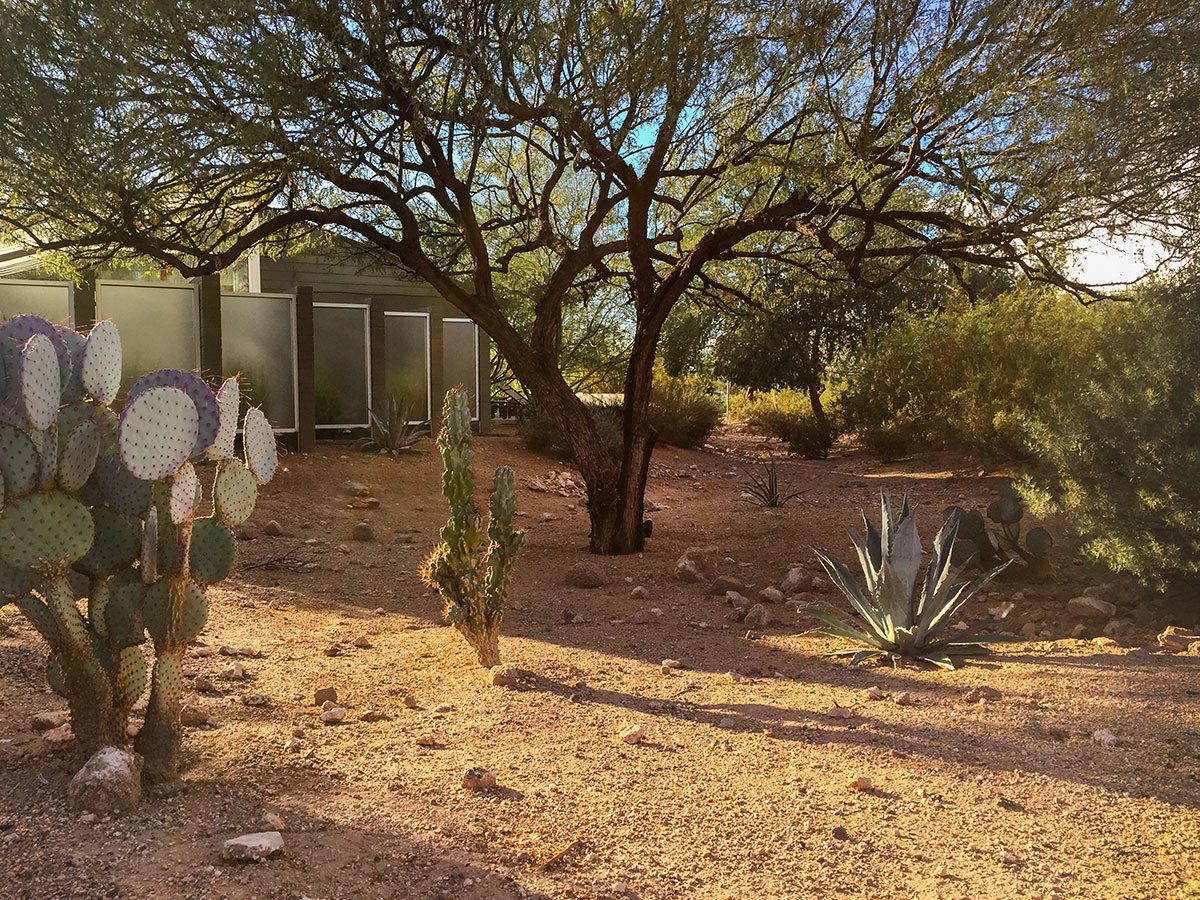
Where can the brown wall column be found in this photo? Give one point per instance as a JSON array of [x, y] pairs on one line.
[[437, 356], [306, 393], [379, 397], [209, 296], [84, 302], [484, 350]]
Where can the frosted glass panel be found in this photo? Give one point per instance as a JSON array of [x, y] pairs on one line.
[[49, 299], [257, 345], [459, 369], [406, 346], [157, 323], [342, 379]]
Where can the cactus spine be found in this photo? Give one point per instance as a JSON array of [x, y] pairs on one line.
[[115, 500], [474, 581]]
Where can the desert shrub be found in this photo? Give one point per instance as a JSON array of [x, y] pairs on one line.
[[970, 376], [788, 416], [537, 432], [1119, 456]]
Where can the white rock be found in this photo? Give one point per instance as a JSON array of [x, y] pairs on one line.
[[770, 595], [797, 581], [1105, 738], [250, 847], [110, 782], [632, 734], [697, 564], [1091, 608]]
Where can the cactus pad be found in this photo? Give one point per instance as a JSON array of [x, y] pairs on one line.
[[1006, 511], [74, 342], [115, 547], [228, 401], [54, 676], [123, 611], [101, 365], [212, 552], [159, 429], [45, 531], [97, 603], [122, 491], [207, 412], [130, 676], [149, 559], [77, 457], [40, 382], [194, 615], [14, 583], [234, 492], [155, 609], [19, 462], [259, 441], [15, 334], [1038, 541], [181, 494]]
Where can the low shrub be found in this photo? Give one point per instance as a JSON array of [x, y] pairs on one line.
[[788, 416]]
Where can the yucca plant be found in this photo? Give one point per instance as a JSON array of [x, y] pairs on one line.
[[764, 488], [393, 434], [899, 619]]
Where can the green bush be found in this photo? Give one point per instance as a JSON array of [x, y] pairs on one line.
[[1119, 454], [969, 377], [539, 434], [788, 416]]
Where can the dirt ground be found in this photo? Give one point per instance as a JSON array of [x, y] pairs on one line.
[[742, 786]]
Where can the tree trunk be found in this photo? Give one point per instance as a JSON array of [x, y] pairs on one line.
[[815, 383]]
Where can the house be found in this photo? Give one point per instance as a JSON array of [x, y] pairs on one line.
[[318, 341]]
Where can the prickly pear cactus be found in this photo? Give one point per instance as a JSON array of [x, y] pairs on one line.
[[473, 580], [115, 499]]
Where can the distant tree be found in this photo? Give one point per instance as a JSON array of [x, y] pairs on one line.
[[647, 146]]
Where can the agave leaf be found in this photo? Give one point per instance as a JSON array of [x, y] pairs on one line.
[[958, 597], [887, 525], [863, 655], [841, 576], [836, 626], [895, 597], [869, 567], [905, 560], [939, 574], [874, 544], [938, 659]]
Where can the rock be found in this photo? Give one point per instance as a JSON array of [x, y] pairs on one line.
[[325, 695], [410, 702], [427, 739], [735, 677], [874, 693], [234, 672], [770, 595], [727, 722], [273, 528], [1116, 627], [905, 699], [724, 584], [375, 715], [1009, 859], [1177, 640], [273, 821], [247, 532], [255, 699], [1091, 608], [1103, 591], [109, 783], [505, 676], [45, 721], [335, 715], [362, 643], [698, 564], [646, 616], [251, 847], [672, 664], [981, 693], [840, 833], [585, 574], [478, 778], [758, 616], [862, 783], [357, 489], [639, 593], [57, 738], [204, 685], [193, 716], [444, 708], [632, 734], [840, 712], [1105, 738], [1029, 630], [798, 580], [941, 871], [738, 601], [363, 532], [568, 616]]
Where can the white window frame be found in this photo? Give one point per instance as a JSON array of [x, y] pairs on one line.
[[475, 350], [366, 308], [428, 360], [291, 298]]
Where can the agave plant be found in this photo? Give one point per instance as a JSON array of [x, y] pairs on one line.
[[394, 433], [901, 620], [764, 489]]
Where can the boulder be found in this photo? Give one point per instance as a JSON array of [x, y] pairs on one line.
[[586, 574], [724, 584], [1091, 608], [798, 580], [698, 564], [109, 783]]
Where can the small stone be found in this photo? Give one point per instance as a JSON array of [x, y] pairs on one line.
[[357, 489], [862, 783], [982, 693], [874, 693], [840, 833], [819, 585], [410, 702], [444, 708], [193, 716], [758, 616], [568, 616], [362, 532], [840, 712], [672, 664], [770, 595], [332, 650], [698, 564], [1091, 608], [798, 580], [724, 584], [735, 677], [585, 574], [325, 695], [380, 611], [226, 650], [727, 723], [646, 616], [273, 528], [251, 847], [941, 872], [57, 738], [204, 685], [45, 721], [327, 705], [247, 532], [87, 819], [427, 739], [375, 715], [109, 783], [632, 734], [335, 715], [256, 699], [362, 643], [1009, 859], [478, 778], [639, 593], [738, 601], [905, 699], [505, 676], [273, 821], [234, 672], [1104, 738]]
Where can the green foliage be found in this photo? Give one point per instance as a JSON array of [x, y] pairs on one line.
[[75, 504], [473, 579], [897, 618], [791, 419], [394, 433], [969, 376], [1119, 455], [764, 489], [537, 432], [980, 544]]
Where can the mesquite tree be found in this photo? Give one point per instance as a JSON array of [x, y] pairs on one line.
[[644, 146]]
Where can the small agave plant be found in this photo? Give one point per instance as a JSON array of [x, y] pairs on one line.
[[899, 619]]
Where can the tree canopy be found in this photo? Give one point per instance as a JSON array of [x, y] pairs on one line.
[[646, 147]]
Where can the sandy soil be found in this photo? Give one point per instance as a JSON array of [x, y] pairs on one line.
[[742, 786]]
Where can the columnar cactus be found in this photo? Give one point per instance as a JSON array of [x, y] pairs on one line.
[[115, 500], [474, 581]]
